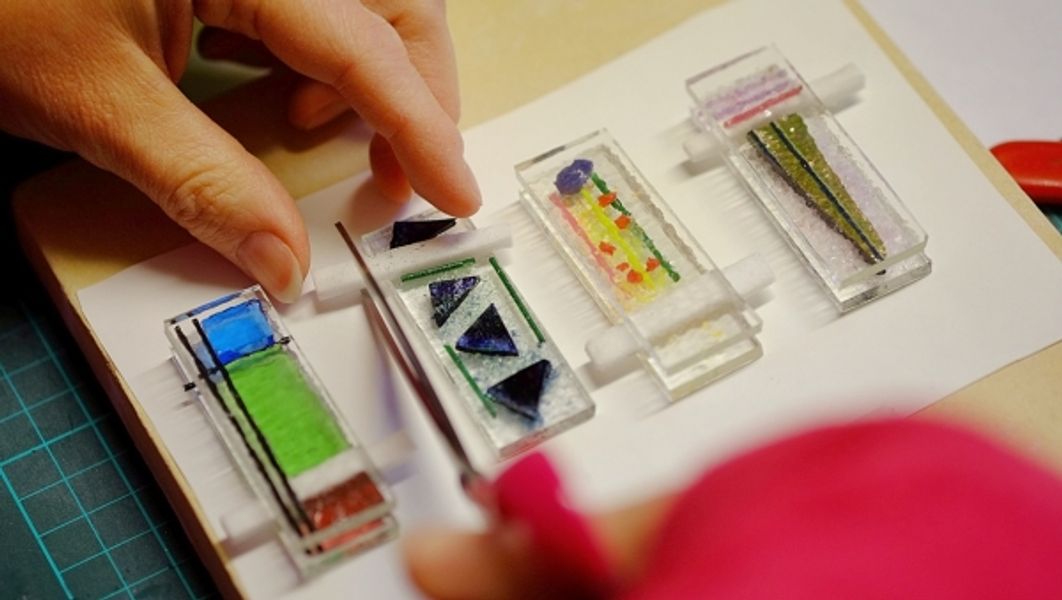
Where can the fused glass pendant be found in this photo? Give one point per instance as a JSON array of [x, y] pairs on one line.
[[404, 233], [822, 193], [461, 306], [671, 307], [282, 430], [794, 155], [447, 295]]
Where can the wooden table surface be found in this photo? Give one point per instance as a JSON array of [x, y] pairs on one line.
[[80, 225]]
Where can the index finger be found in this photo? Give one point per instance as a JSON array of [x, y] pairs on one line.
[[358, 52], [422, 26]]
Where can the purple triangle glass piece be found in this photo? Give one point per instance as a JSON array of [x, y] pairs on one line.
[[447, 295], [404, 233], [488, 335], [521, 392]]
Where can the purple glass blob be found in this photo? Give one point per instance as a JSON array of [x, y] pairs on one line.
[[572, 178]]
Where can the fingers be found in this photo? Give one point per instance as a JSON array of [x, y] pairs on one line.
[[422, 26], [175, 37], [219, 44], [387, 171], [102, 86], [501, 564], [341, 43], [627, 534], [449, 565], [313, 104], [201, 177]]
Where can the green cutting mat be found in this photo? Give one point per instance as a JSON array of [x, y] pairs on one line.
[[80, 515]]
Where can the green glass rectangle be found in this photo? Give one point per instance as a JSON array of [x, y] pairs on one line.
[[300, 431]]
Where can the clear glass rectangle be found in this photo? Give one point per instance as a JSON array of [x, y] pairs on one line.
[[632, 255], [495, 386], [821, 191], [281, 428]]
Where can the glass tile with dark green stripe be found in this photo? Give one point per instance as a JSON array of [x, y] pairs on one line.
[[793, 152]]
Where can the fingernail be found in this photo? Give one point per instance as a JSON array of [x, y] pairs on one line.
[[264, 257], [475, 198]]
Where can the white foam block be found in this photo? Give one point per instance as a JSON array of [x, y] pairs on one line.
[[611, 351]]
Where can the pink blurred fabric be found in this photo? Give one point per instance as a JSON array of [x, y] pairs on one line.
[[893, 509]]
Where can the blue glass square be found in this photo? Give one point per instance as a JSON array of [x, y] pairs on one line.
[[238, 331]]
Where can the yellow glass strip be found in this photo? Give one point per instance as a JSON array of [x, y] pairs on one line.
[[632, 257]]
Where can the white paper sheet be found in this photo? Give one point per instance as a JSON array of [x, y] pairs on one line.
[[993, 296], [998, 69]]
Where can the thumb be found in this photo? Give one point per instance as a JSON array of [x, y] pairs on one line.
[[204, 180]]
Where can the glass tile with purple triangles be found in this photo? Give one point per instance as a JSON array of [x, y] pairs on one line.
[[506, 369]]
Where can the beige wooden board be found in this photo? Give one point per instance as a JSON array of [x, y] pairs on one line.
[[80, 225]]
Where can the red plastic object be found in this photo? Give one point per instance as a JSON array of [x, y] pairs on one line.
[[1036, 166], [893, 509]]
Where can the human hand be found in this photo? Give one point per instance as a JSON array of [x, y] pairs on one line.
[[98, 78], [500, 564]]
